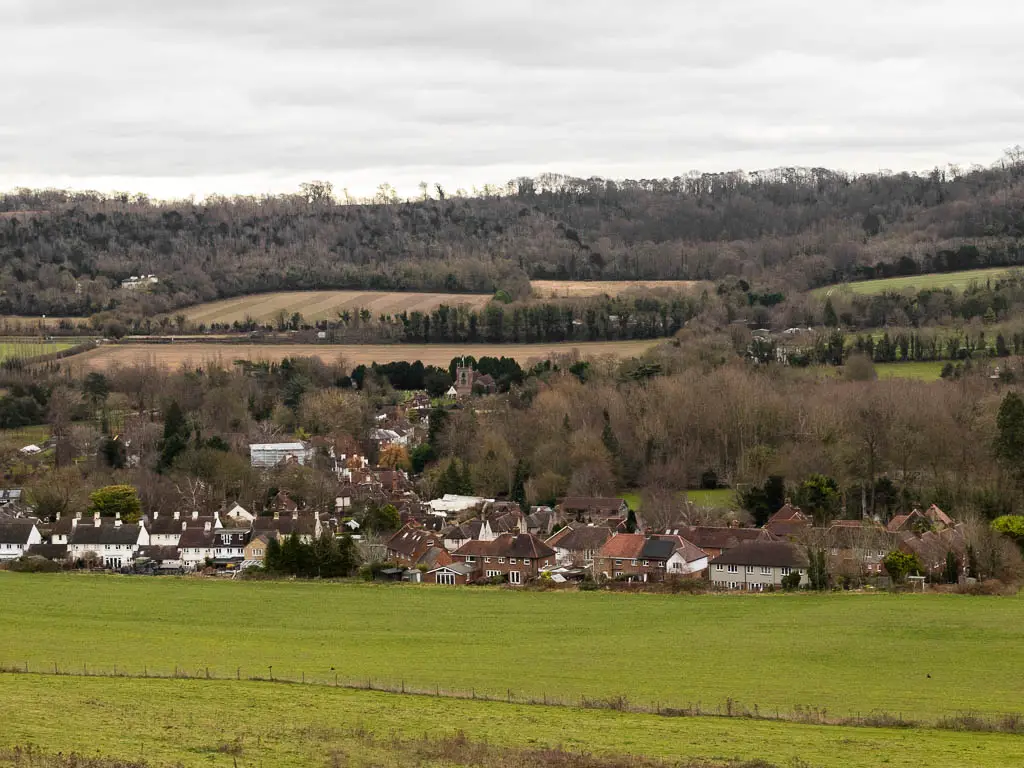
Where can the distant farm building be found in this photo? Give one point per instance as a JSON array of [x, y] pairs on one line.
[[137, 282]]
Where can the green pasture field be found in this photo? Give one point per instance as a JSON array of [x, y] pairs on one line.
[[717, 497], [29, 348], [955, 280], [928, 370], [14, 439], [847, 653], [193, 723]]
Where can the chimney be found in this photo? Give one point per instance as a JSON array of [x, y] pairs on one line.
[[207, 526], [177, 514], [96, 520], [58, 515], [156, 514], [195, 514], [295, 514], [117, 522], [74, 523], [184, 526], [117, 515]]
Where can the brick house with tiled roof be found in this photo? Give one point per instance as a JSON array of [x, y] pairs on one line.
[[649, 558], [757, 565], [412, 546], [788, 522], [517, 557]]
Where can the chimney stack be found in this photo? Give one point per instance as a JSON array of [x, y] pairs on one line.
[[195, 514], [74, 523], [277, 515], [177, 514], [295, 514], [184, 526], [96, 520], [117, 521], [207, 526], [156, 514]]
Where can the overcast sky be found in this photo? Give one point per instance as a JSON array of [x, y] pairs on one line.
[[252, 96]]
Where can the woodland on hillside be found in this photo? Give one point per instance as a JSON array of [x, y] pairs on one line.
[[783, 230]]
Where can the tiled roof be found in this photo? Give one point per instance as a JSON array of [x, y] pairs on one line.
[[624, 545], [107, 533], [712, 537], [15, 531], [779, 554]]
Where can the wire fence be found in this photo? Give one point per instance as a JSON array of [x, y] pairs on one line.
[[1012, 722]]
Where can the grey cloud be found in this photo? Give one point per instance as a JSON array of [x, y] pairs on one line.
[[255, 89]]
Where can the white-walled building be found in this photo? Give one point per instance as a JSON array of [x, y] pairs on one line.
[[268, 455], [113, 543], [16, 536]]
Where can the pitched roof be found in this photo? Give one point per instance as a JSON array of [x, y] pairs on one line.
[[689, 551], [160, 553], [714, 537], [196, 538], [624, 545], [596, 503], [412, 542], [936, 515], [658, 548], [16, 531], [462, 569], [49, 551], [107, 533], [518, 545], [780, 554], [581, 538], [303, 525]]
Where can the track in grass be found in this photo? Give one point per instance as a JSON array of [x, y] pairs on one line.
[[939, 280], [173, 355]]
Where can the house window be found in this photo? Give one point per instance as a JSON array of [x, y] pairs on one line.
[[487, 559], [446, 578], [733, 569], [618, 563], [526, 561], [733, 584], [470, 559], [634, 562], [501, 560], [750, 569], [512, 561], [492, 574], [719, 567], [785, 570], [646, 562], [766, 570], [514, 577]]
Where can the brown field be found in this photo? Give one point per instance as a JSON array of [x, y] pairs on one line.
[[324, 305], [174, 355], [14, 324], [571, 288]]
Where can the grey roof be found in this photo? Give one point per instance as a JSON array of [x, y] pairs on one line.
[[658, 549], [16, 531], [712, 537], [108, 533], [49, 551], [584, 538], [196, 538], [460, 568], [160, 554], [779, 554]]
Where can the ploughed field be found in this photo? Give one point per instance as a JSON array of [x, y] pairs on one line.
[[847, 653], [174, 354], [547, 289]]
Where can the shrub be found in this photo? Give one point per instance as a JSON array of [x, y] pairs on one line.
[[791, 581], [33, 564]]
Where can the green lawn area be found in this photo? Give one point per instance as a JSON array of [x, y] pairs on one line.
[[929, 370], [29, 348], [847, 653], [717, 497], [22, 436], [195, 724], [955, 280]]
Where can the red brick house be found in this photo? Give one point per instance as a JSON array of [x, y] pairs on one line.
[[788, 522], [649, 558], [517, 557], [414, 546]]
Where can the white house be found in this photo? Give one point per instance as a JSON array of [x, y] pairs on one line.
[[686, 559], [165, 530], [239, 513], [137, 282], [112, 543], [268, 455], [229, 543], [16, 536], [197, 545]]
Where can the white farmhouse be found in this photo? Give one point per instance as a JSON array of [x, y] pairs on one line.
[[139, 282]]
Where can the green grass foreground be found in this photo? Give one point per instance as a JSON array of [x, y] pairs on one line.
[[955, 280], [199, 723], [846, 653]]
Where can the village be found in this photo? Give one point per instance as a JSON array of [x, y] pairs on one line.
[[461, 539]]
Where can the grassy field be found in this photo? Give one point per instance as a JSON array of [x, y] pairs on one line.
[[198, 723], [173, 355], [324, 305], [32, 347], [929, 370], [571, 288], [718, 497], [955, 280], [13, 439], [846, 653]]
